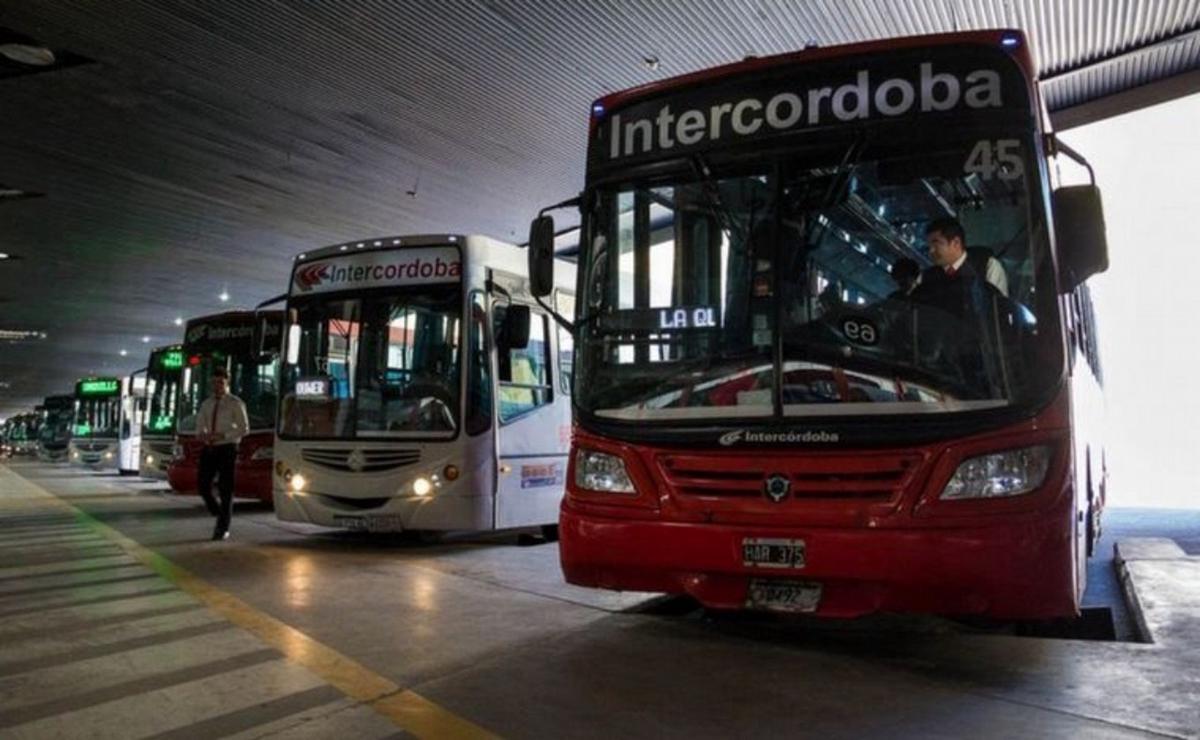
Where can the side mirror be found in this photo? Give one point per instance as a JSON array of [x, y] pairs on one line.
[[514, 334], [541, 256], [1080, 235], [266, 337]]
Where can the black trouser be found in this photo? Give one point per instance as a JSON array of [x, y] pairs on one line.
[[217, 461]]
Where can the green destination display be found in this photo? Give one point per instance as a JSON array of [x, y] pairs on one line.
[[99, 387], [172, 360]]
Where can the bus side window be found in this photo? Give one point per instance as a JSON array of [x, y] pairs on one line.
[[525, 372]]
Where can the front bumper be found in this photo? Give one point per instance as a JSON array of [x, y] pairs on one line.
[[1021, 568]]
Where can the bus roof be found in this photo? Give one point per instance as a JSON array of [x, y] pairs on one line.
[[382, 242], [1011, 39]]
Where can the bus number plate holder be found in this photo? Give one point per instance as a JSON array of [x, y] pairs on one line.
[[370, 523], [779, 595], [772, 552]]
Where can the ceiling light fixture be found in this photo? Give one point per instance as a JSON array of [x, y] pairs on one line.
[[20, 335], [145, 340], [224, 296], [651, 62], [34, 56], [124, 353]]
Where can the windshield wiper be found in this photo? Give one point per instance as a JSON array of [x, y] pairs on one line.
[[712, 192], [674, 381]]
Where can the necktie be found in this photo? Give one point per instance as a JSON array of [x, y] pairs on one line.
[[951, 271], [212, 427]]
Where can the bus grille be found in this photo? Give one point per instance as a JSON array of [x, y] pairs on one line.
[[163, 450], [860, 477], [373, 461]]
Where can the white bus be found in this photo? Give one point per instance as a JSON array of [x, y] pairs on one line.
[[423, 388], [133, 411]]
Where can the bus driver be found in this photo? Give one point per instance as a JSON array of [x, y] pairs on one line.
[[948, 250]]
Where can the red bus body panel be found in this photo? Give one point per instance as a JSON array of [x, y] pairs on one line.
[[877, 536], [252, 478]]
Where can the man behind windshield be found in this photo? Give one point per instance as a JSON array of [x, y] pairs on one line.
[[965, 286], [953, 261]]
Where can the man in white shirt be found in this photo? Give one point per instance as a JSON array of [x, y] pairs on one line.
[[221, 423], [948, 250]]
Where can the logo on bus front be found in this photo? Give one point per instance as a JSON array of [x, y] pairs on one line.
[[747, 436], [777, 487]]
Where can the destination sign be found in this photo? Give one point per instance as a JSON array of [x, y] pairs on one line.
[[233, 334], [802, 96], [171, 360], [99, 387], [379, 269], [674, 318], [312, 388]]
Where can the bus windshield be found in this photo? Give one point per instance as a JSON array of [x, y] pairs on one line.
[[381, 364], [249, 380], [56, 425], [802, 283], [97, 416], [163, 387]]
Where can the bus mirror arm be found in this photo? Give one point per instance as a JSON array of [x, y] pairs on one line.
[[558, 318], [1079, 230], [1058, 145]]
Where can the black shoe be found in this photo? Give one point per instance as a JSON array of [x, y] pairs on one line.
[[220, 534]]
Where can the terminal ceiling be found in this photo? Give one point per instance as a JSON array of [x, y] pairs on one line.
[[181, 149]]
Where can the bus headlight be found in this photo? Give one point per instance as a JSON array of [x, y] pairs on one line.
[[600, 471], [297, 482], [149, 459], [108, 456], [422, 486], [1008, 473]]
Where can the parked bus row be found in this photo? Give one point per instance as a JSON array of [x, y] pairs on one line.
[[830, 344]]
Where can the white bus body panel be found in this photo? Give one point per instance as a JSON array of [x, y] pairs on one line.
[[384, 501], [533, 466], [133, 399]]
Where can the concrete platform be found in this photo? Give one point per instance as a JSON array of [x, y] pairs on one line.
[[119, 618]]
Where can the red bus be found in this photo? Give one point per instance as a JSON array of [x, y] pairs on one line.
[[246, 344], [766, 415]]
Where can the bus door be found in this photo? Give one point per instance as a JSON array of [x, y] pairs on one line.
[[533, 419]]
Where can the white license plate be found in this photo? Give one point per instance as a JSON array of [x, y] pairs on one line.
[[772, 552], [377, 523], [778, 595]]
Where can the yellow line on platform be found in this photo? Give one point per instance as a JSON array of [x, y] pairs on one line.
[[407, 709]]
